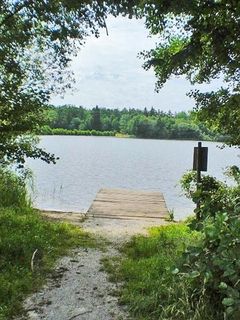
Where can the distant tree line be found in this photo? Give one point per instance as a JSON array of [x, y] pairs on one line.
[[145, 123]]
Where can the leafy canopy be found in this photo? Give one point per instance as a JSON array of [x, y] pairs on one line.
[[201, 40], [37, 40]]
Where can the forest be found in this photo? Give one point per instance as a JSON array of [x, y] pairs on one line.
[[156, 124]]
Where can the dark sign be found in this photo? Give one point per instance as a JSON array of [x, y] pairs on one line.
[[200, 158]]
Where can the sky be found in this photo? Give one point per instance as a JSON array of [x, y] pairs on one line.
[[109, 74]]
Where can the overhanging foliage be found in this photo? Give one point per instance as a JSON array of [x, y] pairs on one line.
[[199, 39], [37, 41]]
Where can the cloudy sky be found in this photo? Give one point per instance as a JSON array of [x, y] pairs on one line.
[[108, 73]]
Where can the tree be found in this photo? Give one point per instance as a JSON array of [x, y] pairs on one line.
[[160, 128], [153, 112], [37, 41], [96, 122], [140, 126], [201, 40], [125, 123], [145, 112], [75, 122]]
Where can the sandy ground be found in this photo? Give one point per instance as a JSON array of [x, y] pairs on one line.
[[78, 288]]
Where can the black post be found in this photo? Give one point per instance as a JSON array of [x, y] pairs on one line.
[[199, 150], [199, 162]]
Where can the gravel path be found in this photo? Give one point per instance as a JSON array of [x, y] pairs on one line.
[[78, 288]]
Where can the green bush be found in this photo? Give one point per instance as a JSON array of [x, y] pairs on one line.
[[213, 265], [46, 130], [12, 190], [213, 196]]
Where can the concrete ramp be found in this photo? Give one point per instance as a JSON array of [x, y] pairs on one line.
[[128, 204]]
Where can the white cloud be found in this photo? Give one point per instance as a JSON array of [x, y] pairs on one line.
[[109, 74]]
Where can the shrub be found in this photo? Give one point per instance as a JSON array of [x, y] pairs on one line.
[[12, 190], [213, 196], [213, 265]]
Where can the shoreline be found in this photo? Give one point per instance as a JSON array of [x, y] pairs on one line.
[[123, 136]]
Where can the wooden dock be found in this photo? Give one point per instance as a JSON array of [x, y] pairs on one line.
[[128, 204]]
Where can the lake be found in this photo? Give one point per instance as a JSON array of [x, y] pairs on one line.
[[88, 164]]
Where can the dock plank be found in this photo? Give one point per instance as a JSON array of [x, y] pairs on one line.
[[124, 203]]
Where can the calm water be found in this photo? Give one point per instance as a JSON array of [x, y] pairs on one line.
[[89, 163]]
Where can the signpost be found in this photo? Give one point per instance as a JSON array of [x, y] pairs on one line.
[[200, 160]]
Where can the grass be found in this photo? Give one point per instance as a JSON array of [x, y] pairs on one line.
[[123, 135], [22, 231], [146, 270]]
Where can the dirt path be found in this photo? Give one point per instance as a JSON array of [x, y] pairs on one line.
[[78, 288]]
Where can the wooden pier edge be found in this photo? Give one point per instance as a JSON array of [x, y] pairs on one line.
[[128, 204]]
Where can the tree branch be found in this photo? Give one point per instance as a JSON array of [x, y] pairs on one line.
[[18, 8]]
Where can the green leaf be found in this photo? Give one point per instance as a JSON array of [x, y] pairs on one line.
[[223, 285], [195, 274], [228, 302], [175, 271], [229, 310], [229, 272]]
